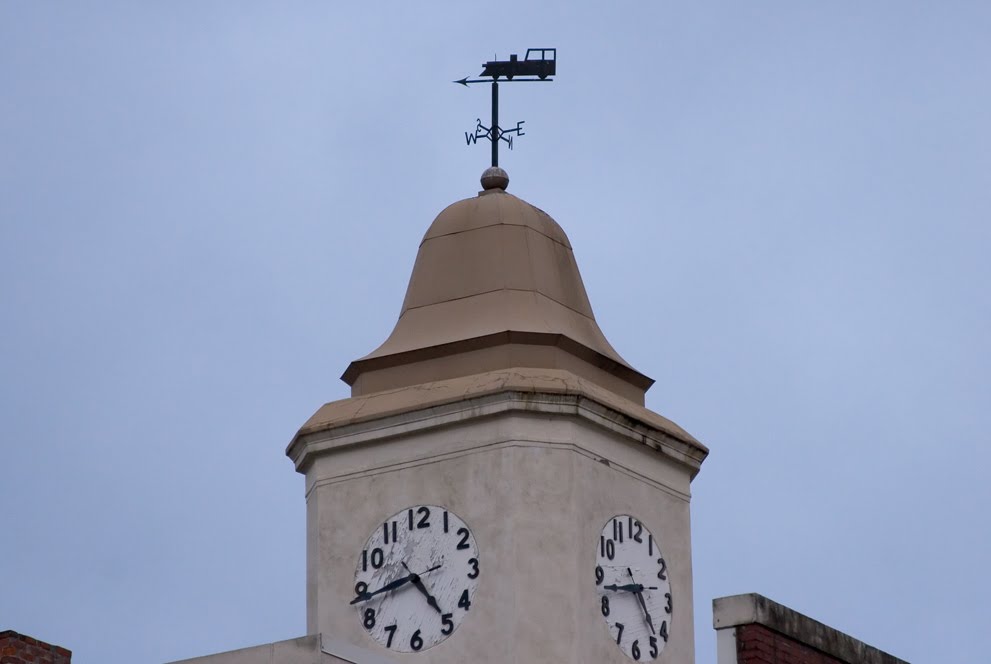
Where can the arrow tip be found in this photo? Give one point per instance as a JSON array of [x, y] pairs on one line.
[[463, 81]]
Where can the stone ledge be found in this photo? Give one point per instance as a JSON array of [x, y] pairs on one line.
[[749, 609]]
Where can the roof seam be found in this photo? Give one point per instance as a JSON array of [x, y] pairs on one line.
[[496, 290]]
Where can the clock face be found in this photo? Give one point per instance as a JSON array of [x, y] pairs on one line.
[[415, 578], [634, 592]]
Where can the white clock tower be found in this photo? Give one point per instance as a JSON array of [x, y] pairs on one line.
[[495, 490]]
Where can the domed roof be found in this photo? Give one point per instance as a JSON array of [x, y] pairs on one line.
[[494, 271]]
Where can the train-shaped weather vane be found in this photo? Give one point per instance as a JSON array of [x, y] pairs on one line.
[[539, 64]]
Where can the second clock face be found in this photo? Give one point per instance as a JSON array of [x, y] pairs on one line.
[[415, 578], [634, 592]]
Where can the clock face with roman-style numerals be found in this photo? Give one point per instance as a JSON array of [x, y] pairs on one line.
[[415, 578], [634, 591]]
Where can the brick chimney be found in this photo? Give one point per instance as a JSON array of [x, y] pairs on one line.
[[20, 649]]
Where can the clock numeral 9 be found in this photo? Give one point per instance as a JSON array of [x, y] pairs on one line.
[[369, 620], [360, 589], [605, 605], [599, 575], [416, 642]]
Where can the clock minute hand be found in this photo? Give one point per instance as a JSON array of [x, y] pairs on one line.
[[386, 588], [392, 585]]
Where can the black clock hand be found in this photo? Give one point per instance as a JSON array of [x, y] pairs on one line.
[[415, 580], [629, 587], [392, 585], [643, 604]]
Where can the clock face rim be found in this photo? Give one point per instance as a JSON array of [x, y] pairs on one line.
[[421, 548], [647, 570]]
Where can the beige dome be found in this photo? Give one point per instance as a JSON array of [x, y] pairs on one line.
[[495, 285]]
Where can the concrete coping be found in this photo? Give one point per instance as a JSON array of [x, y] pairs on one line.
[[752, 608]]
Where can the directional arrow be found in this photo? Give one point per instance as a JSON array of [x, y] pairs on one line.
[[465, 81]]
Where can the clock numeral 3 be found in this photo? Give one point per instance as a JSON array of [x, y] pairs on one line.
[[473, 574]]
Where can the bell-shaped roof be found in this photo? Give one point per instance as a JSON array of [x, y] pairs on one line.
[[495, 285]]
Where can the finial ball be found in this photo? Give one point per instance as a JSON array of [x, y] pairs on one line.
[[495, 178]]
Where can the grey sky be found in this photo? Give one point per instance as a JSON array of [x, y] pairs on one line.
[[207, 209]]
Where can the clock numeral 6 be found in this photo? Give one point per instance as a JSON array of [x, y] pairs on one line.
[[635, 650], [415, 641]]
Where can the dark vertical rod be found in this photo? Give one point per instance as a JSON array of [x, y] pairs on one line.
[[495, 122]]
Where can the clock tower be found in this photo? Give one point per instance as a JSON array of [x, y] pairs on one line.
[[494, 490]]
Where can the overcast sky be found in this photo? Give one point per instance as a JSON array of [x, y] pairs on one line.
[[208, 209]]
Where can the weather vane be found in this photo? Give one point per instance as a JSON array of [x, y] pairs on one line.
[[536, 66]]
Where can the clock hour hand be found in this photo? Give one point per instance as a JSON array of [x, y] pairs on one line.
[[392, 585], [415, 580], [643, 604]]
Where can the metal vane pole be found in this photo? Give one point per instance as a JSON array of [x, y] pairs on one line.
[[495, 122]]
